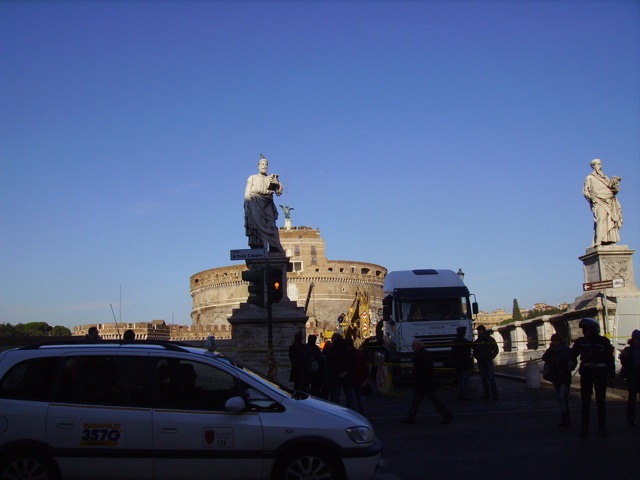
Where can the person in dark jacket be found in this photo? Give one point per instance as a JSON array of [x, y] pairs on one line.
[[424, 385], [342, 365], [311, 367], [463, 362], [558, 366], [325, 386], [630, 360], [485, 349], [597, 368], [360, 373]]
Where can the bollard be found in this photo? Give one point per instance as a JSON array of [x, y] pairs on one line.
[[532, 374]]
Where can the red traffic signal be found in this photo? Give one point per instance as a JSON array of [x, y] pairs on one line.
[[277, 285]]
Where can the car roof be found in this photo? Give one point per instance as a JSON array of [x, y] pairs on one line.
[[122, 345]]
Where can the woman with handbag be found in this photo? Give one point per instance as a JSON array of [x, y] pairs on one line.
[[558, 366]]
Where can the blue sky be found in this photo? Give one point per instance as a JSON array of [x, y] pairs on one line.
[[435, 134]]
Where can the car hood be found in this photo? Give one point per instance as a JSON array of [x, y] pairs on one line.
[[330, 408]]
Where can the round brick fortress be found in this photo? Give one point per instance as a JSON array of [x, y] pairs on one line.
[[217, 291]]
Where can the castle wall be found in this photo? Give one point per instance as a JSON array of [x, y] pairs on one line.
[[217, 291]]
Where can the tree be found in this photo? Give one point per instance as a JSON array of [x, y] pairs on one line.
[[517, 316], [60, 331], [7, 330], [33, 329], [536, 312]]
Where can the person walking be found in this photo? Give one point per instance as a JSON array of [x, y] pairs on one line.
[[630, 360], [485, 349], [463, 361], [597, 368], [424, 385], [558, 366]]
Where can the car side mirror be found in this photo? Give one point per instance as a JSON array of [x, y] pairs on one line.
[[235, 404]]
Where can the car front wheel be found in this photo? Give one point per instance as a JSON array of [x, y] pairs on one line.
[[25, 465], [309, 464]]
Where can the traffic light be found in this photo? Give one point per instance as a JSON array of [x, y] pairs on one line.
[[256, 286], [277, 285]]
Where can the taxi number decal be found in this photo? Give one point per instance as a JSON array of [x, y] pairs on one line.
[[217, 437], [101, 434]]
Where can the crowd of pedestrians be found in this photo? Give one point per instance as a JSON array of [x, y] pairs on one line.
[[339, 372]]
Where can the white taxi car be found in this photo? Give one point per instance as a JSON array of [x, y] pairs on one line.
[[139, 410]]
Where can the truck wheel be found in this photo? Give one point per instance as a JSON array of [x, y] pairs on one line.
[[311, 464], [25, 465]]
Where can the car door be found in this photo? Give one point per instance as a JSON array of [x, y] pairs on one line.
[[100, 425], [194, 436]]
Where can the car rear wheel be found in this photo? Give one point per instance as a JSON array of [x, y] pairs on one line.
[[25, 465], [309, 464]]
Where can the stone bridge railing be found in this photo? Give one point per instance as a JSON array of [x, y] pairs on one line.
[[526, 340]]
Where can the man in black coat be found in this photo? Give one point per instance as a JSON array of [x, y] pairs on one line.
[[424, 385], [463, 361], [485, 349], [597, 368]]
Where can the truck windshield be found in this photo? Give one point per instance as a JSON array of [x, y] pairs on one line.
[[426, 310]]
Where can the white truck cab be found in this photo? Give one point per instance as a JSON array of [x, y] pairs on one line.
[[428, 305]]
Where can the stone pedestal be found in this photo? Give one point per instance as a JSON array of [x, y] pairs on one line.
[[250, 327], [607, 262]]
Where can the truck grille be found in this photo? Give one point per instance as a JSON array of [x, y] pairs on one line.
[[436, 341]]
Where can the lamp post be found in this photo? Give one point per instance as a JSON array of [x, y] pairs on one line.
[[461, 274]]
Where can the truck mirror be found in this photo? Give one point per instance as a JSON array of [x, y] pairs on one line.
[[386, 313], [386, 308], [474, 308]]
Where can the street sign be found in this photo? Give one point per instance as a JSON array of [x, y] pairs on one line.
[[601, 285], [247, 254], [586, 287]]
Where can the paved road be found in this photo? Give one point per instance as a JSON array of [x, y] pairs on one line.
[[515, 437]]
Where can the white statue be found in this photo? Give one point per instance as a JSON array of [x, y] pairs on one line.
[[260, 212], [600, 192]]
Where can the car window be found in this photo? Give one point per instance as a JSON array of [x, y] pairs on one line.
[[29, 380], [104, 380], [193, 385], [259, 402]]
